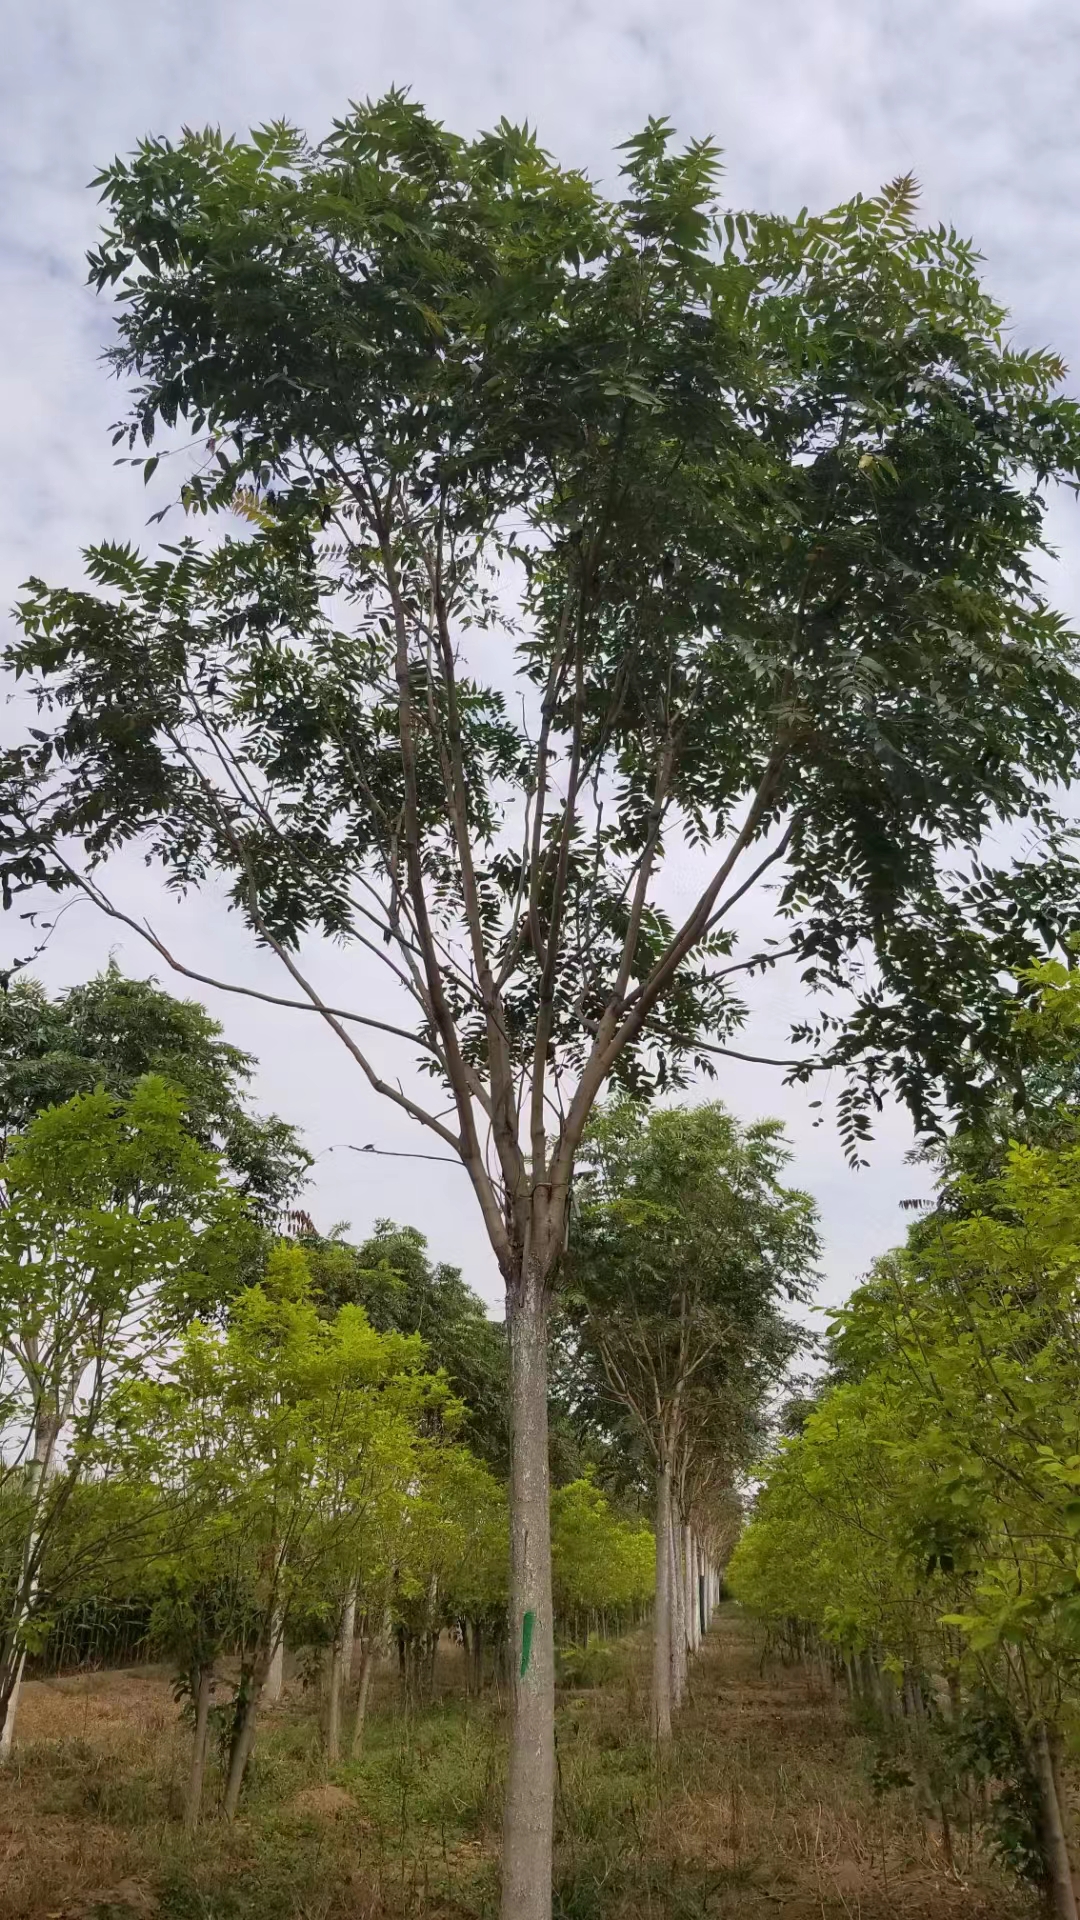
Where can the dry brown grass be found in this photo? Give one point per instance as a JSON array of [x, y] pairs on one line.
[[764, 1807]]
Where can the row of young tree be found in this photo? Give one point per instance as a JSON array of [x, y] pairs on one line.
[[551, 531], [921, 1530], [245, 1441]]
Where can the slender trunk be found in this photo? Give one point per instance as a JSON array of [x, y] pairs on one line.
[[11, 1705], [204, 1691], [1055, 1845], [688, 1584], [46, 1436], [367, 1662], [244, 1738], [528, 1821], [275, 1673], [477, 1657], [678, 1627], [348, 1638], [336, 1677], [661, 1675]]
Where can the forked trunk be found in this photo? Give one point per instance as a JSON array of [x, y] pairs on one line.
[[204, 1691], [528, 1819], [1055, 1843], [244, 1736], [661, 1673]]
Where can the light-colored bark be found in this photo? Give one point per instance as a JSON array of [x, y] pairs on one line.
[[528, 1820], [348, 1638], [367, 1663], [39, 1469], [661, 1673], [1055, 1841], [275, 1673], [691, 1589], [678, 1617], [200, 1740], [335, 1681]]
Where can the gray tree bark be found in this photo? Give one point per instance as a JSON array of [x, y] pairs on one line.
[[1055, 1842], [528, 1820], [367, 1662], [661, 1674], [348, 1638], [690, 1585], [275, 1673], [678, 1617], [46, 1437], [336, 1678], [203, 1695]]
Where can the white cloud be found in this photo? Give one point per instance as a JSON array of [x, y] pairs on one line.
[[811, 103]]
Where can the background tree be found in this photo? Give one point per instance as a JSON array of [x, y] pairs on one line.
[[108, 1033], [109, 1213], [289, 1429], [925, 1519], [685, 1247], [574, 529], [392, 1276]]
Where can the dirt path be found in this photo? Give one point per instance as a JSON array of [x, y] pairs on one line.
[[784, 1806]]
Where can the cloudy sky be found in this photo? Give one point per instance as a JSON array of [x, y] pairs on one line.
[[812, 100]]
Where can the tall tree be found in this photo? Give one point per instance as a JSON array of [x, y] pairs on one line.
[[573, 530], [684, 1250]]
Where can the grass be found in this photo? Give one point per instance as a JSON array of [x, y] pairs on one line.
[[765, 1806]]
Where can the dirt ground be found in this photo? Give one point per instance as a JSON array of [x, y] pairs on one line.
[[765, 1807]]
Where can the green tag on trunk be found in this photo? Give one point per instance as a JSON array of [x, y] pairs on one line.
[[526, 1641]]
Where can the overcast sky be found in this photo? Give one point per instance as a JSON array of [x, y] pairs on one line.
[[812, 101]]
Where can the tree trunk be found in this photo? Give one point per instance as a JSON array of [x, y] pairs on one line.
[[336, 1678], [46, 1436], [528, 1820], [1055, 1844], [204, 1689], [275, 1673], [678, 1620], [367, 1662], [688, 1590], [244, 1738], [661, 1675], [348, 1638]]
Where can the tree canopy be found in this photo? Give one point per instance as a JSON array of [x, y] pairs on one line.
[[109, 1032]]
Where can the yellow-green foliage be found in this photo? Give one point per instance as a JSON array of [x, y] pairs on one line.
[[932, 1503], [599, 1561]]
